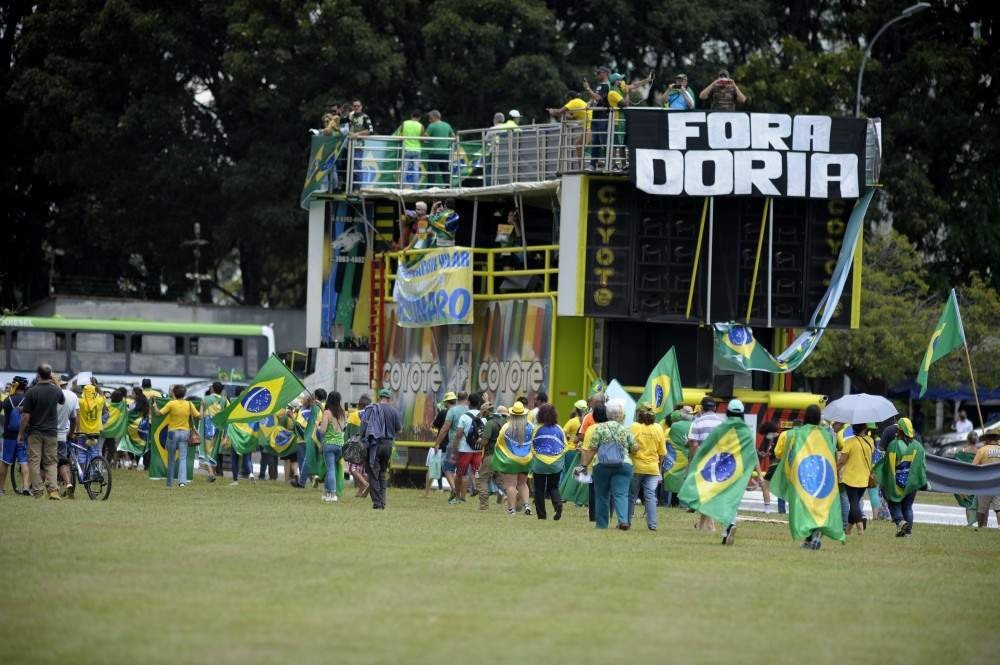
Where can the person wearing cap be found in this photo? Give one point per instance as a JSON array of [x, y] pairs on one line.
[[571, 430], [352, 429], [988, 453], [380, 423], [491, 430], [678, 96], [513, 119], [467, 430], [599, 116], [512, 458], [447, 436], [722, 94], [12, 448], [854, 462], [646, 460], [703, 424], [901, 473]]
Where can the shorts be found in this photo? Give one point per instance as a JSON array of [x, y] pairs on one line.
[[448, 466], [465, 460], [63, 452], [987, 503], [12, 449]]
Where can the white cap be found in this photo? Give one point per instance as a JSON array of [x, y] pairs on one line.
[[514, 113]]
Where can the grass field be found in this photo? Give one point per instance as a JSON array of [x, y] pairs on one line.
[[213, 574]]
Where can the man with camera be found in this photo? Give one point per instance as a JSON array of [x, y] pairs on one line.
[[723, 93], [678, 96]]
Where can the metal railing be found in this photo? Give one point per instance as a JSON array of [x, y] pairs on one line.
[[498, 272], [593, 141]]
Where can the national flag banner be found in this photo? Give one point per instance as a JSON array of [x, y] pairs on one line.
[[269, 392], [136, 433], [211, 436], [115, 423], [902, 470], [323, 153], [720, 470], [663, 387], [948, 335], [807, 480], [736, 349], [598, 386], [158, 445], [468, 158], [675, 463], [377, 162], [242, 437], [315, 463], [276, 435]]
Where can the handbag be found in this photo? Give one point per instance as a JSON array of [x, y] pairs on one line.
[[194, 438], [355, 451], [871, 477]]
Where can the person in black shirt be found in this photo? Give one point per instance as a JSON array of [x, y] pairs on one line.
[[599, 117], [40, 424]]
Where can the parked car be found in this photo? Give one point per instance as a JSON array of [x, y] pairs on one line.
[[949, 443]]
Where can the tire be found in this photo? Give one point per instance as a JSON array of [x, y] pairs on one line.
[[15, 476], [97, 479]]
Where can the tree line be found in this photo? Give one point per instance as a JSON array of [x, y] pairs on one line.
[[127, 121]]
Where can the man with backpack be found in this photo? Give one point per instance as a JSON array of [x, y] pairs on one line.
[[467, 445], [12, 449], [457, 405], [491, 430]]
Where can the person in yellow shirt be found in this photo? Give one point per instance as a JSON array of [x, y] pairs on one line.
[[180, 415], [90, 420], [578, 112], [989, 453], [646, 462], [855, 468]]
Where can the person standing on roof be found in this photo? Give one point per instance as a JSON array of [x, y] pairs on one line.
[[599, 117], [513, 119], [438, 150], [411, 130], [678, 96], [722, 94]]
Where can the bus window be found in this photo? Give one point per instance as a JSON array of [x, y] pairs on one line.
[[30, 348], [156, 355], [212, 356], [98, 352], [255, 348]]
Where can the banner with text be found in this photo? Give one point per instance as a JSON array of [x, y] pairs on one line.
[[436, 289], [694, 153]]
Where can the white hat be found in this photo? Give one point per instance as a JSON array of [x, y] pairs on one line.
[[514, 113]]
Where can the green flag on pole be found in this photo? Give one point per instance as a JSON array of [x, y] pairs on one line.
[[269, 392], [663, 387], [949, 334]]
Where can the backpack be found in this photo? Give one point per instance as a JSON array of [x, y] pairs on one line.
[[14, 415], [474, 436], [439, 419], [611, 454]]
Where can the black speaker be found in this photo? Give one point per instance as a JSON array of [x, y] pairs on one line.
[[722, 385]]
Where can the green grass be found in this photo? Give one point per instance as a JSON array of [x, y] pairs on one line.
[[262, 574]]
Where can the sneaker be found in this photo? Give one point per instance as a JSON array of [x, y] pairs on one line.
[[25, 492], [511, 512], [326, 498], [651, 527], [453, 501], [253, 479], [767, 508], [54, 496], [71, 492], [182, 484], [315, 482], [333, 498], [730, 536], [624, 526], [211, 478], [527, 511], [558, 514], [907, 529], [234, 483], [901, 532]]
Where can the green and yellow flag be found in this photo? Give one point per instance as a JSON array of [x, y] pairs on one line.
[[663, 387], [675, 464], [211, 436], [116, 423], [807, 479], [902, 470], [598, 386], [949, 334], [323, 155], [269, 392], [242, 437], [276, 437], [136, 433], [736, 349], [158, 445], [720, 470]]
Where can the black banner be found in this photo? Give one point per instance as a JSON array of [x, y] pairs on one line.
[[609, 248], [698, 153]]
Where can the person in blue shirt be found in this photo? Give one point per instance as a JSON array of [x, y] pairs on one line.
[[678, 97]]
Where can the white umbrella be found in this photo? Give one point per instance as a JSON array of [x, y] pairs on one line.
[[859, 408]]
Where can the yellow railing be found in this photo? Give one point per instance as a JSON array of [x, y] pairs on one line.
[[487, 276]]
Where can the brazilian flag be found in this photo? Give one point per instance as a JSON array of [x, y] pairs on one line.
[[598, 386], [323, 155], [948, 335], [675, 464], [269, 392], [663, 387], [211, 436], [807, 479], [275, 437], [314, 461], [136, 433], [510, 455], [158, 446], [242, 437], [902, 470], [116, 421], [720, 470], [736, 349]]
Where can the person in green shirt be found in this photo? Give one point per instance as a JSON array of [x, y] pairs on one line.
[[438, 150], [411, 130]]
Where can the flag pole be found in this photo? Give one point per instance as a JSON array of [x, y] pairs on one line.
[[975, 392]]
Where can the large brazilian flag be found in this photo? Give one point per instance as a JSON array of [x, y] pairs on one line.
[[158, 446], [323, 155], [242, 437], [269, 392], [211, 436], [511, 456], [902, 470], [314, 462], [807, 479], [663, 387], [115, 423], [720, 471], [277, 436], [136, 433]]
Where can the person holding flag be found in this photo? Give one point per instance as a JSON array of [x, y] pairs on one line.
[[211, 436], [675, 463], [902, 472], [664, 390], [806, 478], [720, 470]]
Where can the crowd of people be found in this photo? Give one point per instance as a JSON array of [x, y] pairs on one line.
[[591, 459]]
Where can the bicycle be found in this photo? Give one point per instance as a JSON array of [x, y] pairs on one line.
[[96, 477]]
